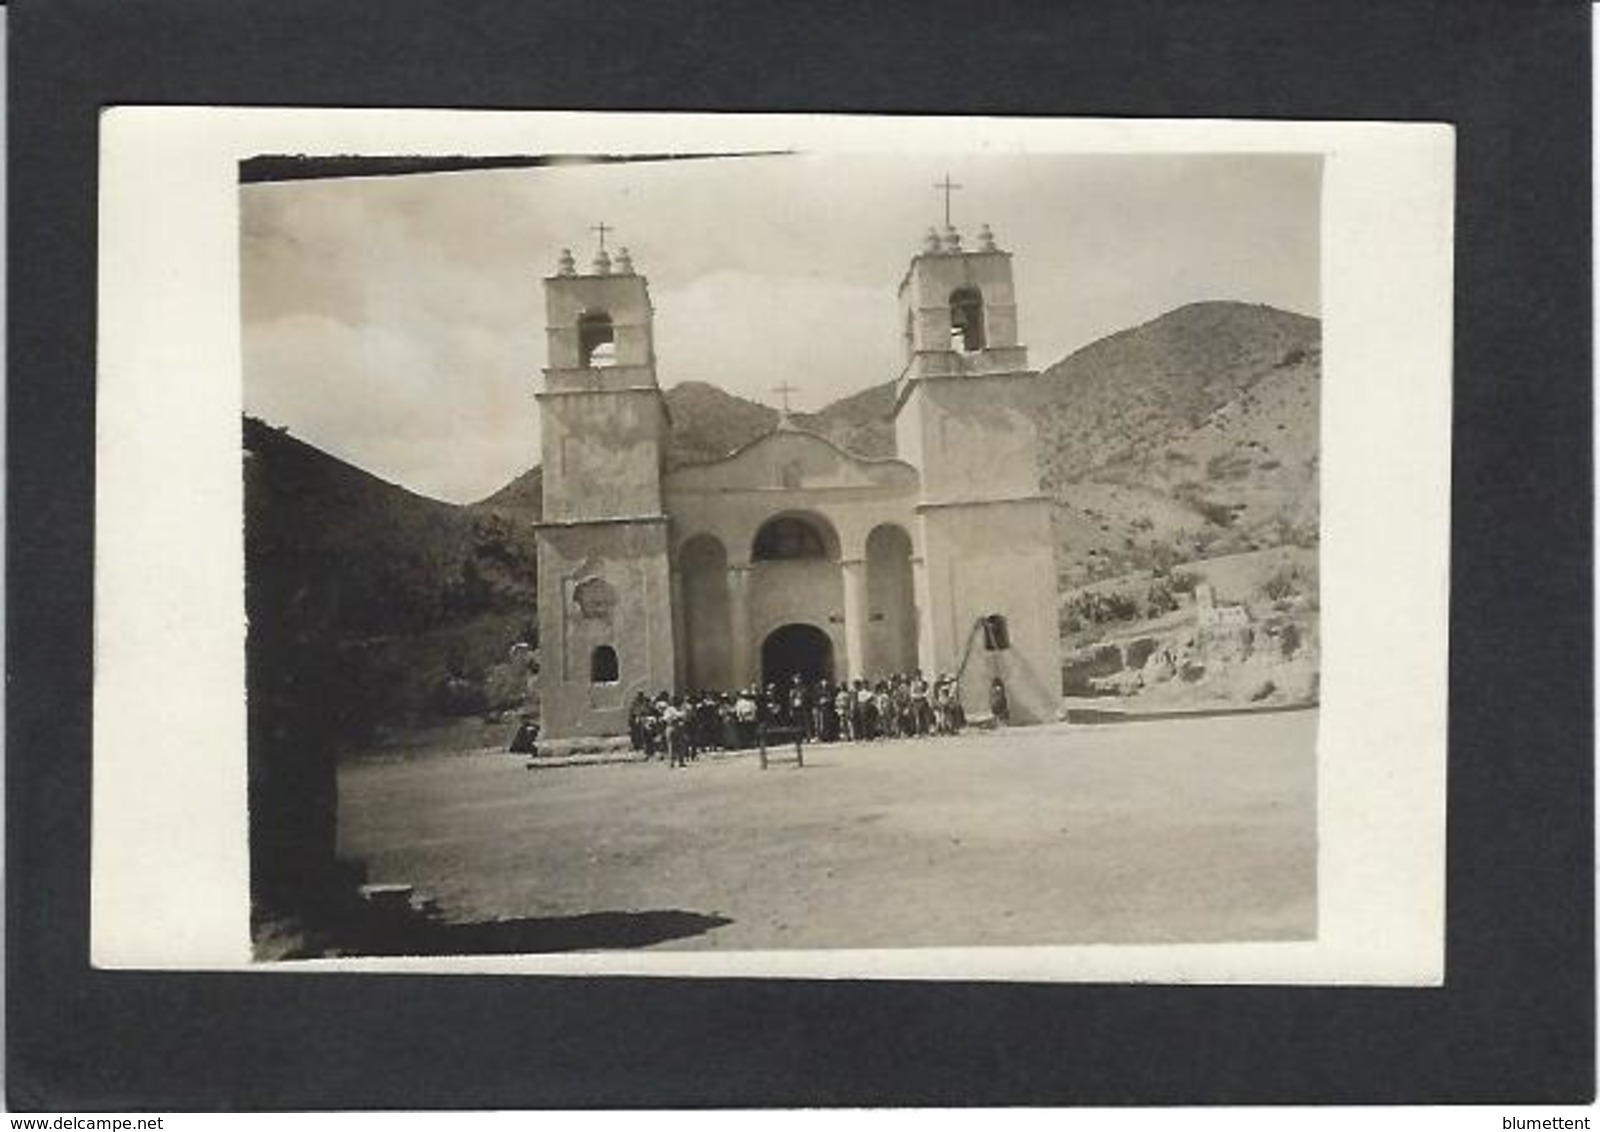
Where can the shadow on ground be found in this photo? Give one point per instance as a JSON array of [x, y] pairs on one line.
[[592, 931], [366, 931]]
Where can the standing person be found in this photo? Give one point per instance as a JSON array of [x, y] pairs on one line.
[[997, 703], [866, 719], [952, 704], [691, 724], [706, 731], [946, 695], [800, 706], [655, 728], [744, 713], [638, 712], [821, 710], [711, 712], [674, 719], [922, 713], [728, 723], [844, 709], [898, 715]]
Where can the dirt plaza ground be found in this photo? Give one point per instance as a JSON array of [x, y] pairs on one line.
[[1192, 830]]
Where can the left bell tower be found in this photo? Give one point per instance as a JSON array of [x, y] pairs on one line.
[[605, 599]]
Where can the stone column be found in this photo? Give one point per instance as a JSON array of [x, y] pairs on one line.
[[855, 615], [927, 655], [680, 638], [739, 622]]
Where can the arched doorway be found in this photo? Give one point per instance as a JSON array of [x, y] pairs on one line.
[[796, 650]]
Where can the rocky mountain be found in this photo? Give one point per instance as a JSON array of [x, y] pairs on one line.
[[1192, 436], [707, 423], [862, 422]]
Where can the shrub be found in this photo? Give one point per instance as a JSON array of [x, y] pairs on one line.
[[1227, 466], [1284, 583], [1183, 581], [1159, 600], [1217, 514]]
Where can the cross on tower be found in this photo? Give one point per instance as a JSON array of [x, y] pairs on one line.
[[602, 228], [783, 391], [947, 186]]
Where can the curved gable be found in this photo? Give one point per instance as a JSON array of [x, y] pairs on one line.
[[790, 459]]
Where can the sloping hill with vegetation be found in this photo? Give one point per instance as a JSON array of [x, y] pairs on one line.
[[401, 603], [1192, 436]]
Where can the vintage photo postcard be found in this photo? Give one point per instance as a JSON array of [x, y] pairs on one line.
[[772, 545]]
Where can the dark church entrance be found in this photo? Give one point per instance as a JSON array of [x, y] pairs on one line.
[[796, 650]]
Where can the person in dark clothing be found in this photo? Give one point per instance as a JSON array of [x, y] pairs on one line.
[[638, 714], [800, 705], [728, 723], [525, 741], [998, 706], [822, 712], [655, 732]]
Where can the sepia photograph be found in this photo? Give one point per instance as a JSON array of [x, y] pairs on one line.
[[685, 558], [783, 550]]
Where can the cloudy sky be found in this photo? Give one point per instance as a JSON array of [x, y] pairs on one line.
[[397, 322]]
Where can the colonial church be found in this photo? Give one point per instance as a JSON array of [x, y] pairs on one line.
[[792, 555]]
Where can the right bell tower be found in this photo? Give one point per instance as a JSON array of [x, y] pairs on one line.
[[966, 406]]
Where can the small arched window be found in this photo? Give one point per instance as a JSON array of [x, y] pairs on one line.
[[966, 320], [597, 344], [603, 665], [788, 538]]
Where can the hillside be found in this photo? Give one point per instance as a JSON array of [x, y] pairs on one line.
[[523, 496], [390, 593], [862, 422], [707, 423], [1192, 436]]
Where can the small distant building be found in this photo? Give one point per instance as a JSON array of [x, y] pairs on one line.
[[1210, 615], [793, 556]]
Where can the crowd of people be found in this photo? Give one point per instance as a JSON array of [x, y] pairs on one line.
[[679, 727]]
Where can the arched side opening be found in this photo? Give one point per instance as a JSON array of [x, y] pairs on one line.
[[966, 320], [703, 563], [796, 650], [597, 342], [603, 668], [891, 602], [790, 537]]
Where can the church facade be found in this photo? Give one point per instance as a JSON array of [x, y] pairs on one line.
[[792, 556]]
